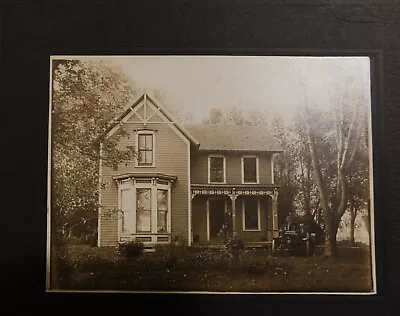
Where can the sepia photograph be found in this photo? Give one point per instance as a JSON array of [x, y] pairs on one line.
[[210, 174]]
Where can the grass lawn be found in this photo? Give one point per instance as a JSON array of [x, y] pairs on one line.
[[181, 269]]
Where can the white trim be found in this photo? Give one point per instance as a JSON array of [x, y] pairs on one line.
[[134, 107], [208, 219], [132, 185], [156, 104], [272, 169], [223, 164], [169, 228], [257, 169], [158, 108], [169, 123], [190, 232], [134, 110], [145, 132], [99, 208], [244, 216]]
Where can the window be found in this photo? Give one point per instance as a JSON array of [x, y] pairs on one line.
[[250, 169], [127, 212], [143, 210], [162, 210], [251, 213], [216, 169], [145, 149]]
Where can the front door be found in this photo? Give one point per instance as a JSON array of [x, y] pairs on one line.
[[216, 217]]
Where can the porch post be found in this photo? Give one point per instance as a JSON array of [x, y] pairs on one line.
[[233, 199], [275, 224]]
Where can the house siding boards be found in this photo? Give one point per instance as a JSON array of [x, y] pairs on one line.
[[199, 167], [171, 157], [179, 157]]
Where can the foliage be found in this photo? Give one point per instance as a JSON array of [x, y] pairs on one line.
[[343, 129], [88, 268], [233, 244], [130, 249], [85, 97]]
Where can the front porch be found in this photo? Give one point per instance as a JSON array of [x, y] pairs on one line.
[[247, 210]]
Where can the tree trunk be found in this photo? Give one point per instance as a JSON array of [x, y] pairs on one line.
[[331, 224], [331, 229]]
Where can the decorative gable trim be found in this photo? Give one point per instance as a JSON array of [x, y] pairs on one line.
[[146, 101]]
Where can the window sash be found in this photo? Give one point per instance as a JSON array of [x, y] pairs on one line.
[[216, 169], [250, 170], [143, 210], [145, 149], [127, 212], [162, 210]]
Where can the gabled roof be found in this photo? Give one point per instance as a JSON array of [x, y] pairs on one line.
[[130, 107], [233, 137], [213, 137]]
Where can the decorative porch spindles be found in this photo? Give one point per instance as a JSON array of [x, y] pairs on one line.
[[275, 224], [233, 199]]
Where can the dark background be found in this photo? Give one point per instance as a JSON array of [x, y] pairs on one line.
[[31, 31]]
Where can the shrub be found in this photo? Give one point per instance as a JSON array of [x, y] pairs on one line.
[[130, 250], [233, 244]]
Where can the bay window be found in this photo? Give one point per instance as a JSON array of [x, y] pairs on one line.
[[145, 209], [162, 210]]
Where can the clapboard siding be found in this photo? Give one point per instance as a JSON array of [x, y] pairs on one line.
[[171, 157], [199, 168]]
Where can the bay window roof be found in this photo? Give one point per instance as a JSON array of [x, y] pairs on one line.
[[147, 175]]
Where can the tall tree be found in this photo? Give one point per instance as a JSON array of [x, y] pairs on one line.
[[347, 121], [86, 96], [285, 168]]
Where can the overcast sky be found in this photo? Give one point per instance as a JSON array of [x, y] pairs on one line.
[[273, 84]]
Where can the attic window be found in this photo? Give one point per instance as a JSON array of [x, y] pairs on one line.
[[145, 141]]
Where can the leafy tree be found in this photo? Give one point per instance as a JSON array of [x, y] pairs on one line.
[[285, 168], [86, 96], [344, 126], [358, 188]]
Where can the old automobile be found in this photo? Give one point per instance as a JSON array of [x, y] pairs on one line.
[[298, 235]]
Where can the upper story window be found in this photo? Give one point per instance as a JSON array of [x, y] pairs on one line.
[[250, 169], [216, 169], [145, 141]]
